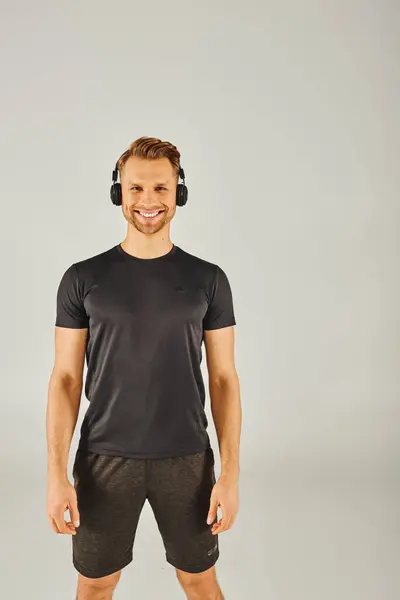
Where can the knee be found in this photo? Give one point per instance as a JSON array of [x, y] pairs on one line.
[[97, 588], [202, 586]]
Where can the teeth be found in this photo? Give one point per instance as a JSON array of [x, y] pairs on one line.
[[149, 214]]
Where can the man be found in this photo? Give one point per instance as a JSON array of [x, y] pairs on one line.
[[140, 312]]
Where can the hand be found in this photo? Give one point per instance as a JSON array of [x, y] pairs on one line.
[[225, 494], [61, 495]]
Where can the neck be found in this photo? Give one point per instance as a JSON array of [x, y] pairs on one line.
[[146, 246]]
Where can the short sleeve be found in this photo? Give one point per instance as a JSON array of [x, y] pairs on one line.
[[220, 312], [70, 309]]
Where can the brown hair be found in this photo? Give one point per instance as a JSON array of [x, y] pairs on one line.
[[150, 148]]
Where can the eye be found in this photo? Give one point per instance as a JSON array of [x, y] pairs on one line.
[[134, 187], [160, 187]]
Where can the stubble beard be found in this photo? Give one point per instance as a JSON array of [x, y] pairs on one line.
[[133, 219]]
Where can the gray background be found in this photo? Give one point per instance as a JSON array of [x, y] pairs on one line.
[[286, 115]]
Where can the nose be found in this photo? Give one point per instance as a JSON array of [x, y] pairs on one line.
[[147, 201], [148, 197]]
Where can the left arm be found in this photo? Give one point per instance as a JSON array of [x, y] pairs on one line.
[[227, 415]]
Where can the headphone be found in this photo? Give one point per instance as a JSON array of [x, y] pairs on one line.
[[116, 190]]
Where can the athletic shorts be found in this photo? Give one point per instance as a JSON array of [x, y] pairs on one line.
[[111, 491]]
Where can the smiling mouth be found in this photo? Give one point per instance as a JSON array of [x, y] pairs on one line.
[[149, 215]]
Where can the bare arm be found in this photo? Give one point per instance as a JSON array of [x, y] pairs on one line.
[[227, 414], [224, 397], [64, 395]]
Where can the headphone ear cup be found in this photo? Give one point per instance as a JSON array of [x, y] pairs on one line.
[[181, 194], [116, 194]]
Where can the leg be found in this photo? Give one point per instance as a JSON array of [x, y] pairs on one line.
[[179, 490], [99, 588], [200, 586], [111, 493]]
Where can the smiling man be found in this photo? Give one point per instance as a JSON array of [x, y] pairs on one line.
[[139, 312]]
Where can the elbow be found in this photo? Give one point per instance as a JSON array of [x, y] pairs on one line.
[[224, 378], [66, 380]]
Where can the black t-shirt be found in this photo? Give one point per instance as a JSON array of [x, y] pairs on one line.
[[146, 319]]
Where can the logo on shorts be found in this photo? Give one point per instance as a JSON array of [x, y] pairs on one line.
[[212, 550]]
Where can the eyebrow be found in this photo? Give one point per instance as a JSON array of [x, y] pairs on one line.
[[159, 183]]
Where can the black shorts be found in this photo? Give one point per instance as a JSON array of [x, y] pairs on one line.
[[111, 491]]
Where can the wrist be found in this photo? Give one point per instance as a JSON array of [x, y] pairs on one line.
[[230, 474], [57, 473]]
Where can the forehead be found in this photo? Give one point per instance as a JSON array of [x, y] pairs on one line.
[[142, 169]]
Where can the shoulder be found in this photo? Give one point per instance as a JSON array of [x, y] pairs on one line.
[[82, 273], [210, 273], [89, 266], [199, 265]]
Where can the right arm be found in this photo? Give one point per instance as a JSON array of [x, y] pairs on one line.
[[64, 396]]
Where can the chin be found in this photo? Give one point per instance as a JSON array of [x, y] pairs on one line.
[[149, 229]]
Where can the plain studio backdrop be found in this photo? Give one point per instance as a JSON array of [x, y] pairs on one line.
[[287, 118]]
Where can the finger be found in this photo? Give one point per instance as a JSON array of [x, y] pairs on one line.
[[216, 527], [69, 524], [212, 512], [74, 512], [218, 522], [53, 524], [221, 528], [61, 524], [71, 527], [224, 523]]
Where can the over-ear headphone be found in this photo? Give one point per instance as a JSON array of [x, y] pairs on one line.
[[116, 190]]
